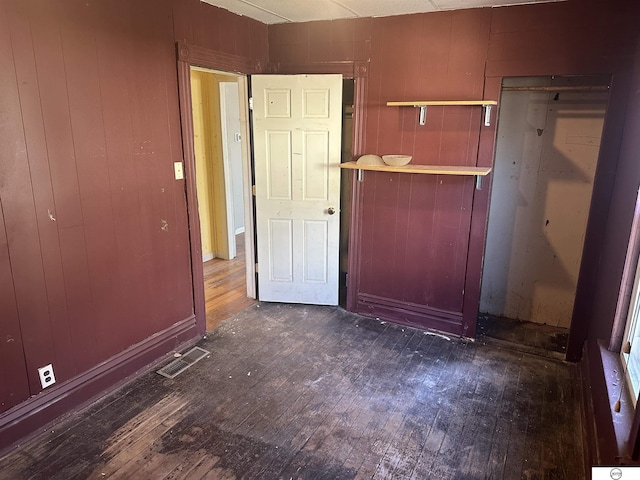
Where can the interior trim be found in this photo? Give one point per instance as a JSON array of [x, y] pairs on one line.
[[208, 58], [409, 314], [188, 56], [348, 69]]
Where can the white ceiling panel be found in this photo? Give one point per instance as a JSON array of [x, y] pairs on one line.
[[385, 8], [460, 4], [250, 10], [287, 11]]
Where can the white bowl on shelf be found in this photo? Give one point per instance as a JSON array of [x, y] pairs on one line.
[[370, 159], [396, 160]]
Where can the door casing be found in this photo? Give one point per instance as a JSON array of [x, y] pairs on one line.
[[196, 56]]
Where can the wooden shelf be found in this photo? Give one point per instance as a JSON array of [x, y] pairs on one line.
[[424, 103], [422, 169]]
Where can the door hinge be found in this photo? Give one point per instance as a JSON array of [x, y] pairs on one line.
[[250, 103], [253, 190], [626, 348], [256, 267]]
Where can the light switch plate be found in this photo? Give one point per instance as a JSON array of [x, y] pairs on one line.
[[177, 170]]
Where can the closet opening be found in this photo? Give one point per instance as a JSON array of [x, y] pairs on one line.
[[547, 148]]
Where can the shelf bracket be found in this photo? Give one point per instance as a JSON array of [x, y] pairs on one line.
[[487, 115], [478, 182], [422, 116]]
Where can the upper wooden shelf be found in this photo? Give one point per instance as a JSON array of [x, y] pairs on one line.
[[424, 169], [424, 103]]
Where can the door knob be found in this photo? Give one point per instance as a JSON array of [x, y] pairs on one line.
[[331, 210]]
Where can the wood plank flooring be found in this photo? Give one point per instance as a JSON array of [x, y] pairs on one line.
[[308, 392], [225, 286], [536, 338]]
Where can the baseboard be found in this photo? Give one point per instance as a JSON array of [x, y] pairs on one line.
[[207, 256], [413, 315], [29, 418]]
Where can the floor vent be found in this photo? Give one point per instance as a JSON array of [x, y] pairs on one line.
[[179, 365]]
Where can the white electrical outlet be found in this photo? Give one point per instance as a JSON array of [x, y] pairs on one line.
[[47, 378]]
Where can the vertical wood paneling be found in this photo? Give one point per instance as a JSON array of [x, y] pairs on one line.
[[14, 387], [366, 241], [418, 287], [35, 139], [217, 29], [384, 210], [114, 50], [403, 201], [211, 37], [22, 236], [87, 274], [87, 127], [243, 42], [451, 227], [415, 232], [153, 165], [56, 118]]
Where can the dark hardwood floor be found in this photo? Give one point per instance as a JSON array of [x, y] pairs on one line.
[[225, 286], [536, 338], [308, 392]]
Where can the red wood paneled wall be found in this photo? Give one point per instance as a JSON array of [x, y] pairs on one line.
[[94, 239], [413, 242], [421, 238], [95, 223], [217, 29]]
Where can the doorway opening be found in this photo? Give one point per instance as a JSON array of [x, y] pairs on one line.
[[219, 147], [348, 90], [226, 263], [547, 149]]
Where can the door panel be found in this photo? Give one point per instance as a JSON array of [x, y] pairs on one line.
[[280, 250], [316, 240], [297, 144], [279, 165]]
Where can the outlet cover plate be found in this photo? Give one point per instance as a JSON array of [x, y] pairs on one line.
[[47, 378]]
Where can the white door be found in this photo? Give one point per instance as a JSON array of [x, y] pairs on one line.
[[297, 144]]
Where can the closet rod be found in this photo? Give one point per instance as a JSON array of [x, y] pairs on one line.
[[583, 88]]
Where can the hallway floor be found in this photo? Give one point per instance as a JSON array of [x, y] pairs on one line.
[[225, 286], [307, 392]]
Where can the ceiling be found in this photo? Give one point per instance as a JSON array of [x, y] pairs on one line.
[[288, 11]]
